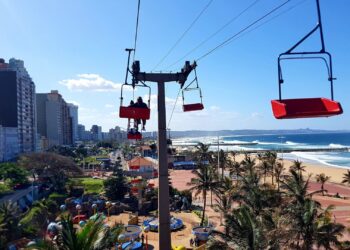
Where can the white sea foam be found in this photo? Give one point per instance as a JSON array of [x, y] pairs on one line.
[[291, 143], [327, 159], [334, 145]]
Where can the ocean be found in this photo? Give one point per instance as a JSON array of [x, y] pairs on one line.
[[290, 142]]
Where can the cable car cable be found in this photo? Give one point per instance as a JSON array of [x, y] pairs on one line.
[[228, 40], [215, 33], [271, 19], [258, 26], [183, 35], [172, 112], [137, 27]]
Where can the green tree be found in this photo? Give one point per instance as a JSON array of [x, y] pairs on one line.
[[51, 167], [308, 223], [33, 224], [9, 218], [322, 178], [116, 186], [63, 150], [13, 174], [81, 152], [243, 230]]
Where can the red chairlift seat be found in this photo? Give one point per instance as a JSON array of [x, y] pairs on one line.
[[305, 108], [192, 107], [134, 113], [134, 136]]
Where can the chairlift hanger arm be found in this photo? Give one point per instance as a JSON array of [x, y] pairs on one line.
[[180, 77], [318, 26], [127, 66]]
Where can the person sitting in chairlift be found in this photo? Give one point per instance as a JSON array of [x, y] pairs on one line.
[[130, 105], [140, 104]]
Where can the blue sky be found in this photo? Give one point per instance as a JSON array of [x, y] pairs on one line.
[[77, 47]]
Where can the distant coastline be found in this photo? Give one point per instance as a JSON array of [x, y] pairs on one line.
[[245, 132]]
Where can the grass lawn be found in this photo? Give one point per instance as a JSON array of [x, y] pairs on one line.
[[90, 185]]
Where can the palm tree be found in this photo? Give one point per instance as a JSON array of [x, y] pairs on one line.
[[248, 164], [243, 230], [278, 169], [233, 154], [265, 168], [204, 156], [346, 178], [222, 162], [271, 158], [235, 169], [204, 182], [298, 166], [322, 178], [93, 236], [224, 193], [202, 152]]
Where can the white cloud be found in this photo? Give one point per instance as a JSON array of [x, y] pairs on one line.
[[214, 108], [256, 115], [109, 106], [92, 82]]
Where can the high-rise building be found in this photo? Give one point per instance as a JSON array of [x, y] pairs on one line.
[[9, 143], [73, 112], [17, 105], [116, 134], [54, 120], [83, 134], [96, 132]]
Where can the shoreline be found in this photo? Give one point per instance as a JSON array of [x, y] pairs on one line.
[[336, 173]]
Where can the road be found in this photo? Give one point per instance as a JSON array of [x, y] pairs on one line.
[[17, 195]]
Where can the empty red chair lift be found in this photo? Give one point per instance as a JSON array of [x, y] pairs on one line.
[[305, 108], [192, 107]]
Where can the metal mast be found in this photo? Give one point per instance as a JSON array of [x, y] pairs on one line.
[[163, 192]]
